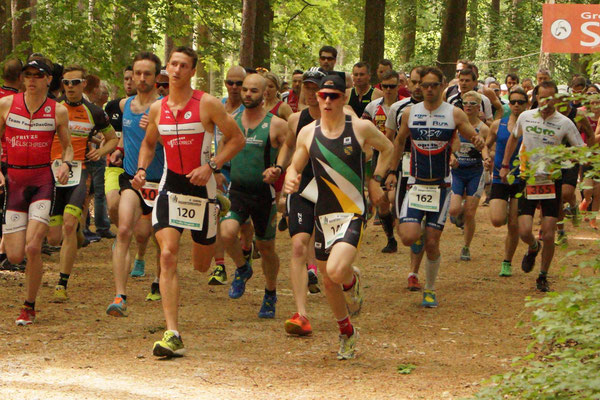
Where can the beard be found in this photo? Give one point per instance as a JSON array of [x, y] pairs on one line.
[[252, 103]]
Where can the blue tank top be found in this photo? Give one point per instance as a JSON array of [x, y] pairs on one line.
[[132, 140], [468, 155], [501, 139]]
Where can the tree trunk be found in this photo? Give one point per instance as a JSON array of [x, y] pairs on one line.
[[453, 34], [409, 30], [6, 29], [513, 18], [261, 53], [493, 41], [544, 59], [471, 50], [247, 36], [21, 26], [202, 73], [373, 43]]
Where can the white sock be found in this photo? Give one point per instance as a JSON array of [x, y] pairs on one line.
[[413, 274], [175, 332], [431, 270]]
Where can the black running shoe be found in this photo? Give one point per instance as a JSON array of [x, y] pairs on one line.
[[529, 258], [391, 247], [542, 284], [283, 225]]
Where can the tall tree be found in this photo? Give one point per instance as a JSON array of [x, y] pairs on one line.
[[21, 26], [471, 43], [261, 53], [544, 59], [409, 30], [5, 29], [453, 34], [202, 73], [374, 38], [247, 36], [494, 35]]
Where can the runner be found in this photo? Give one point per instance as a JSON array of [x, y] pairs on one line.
[[135, 205], [85, 121], [429, 182], [272, 103], [185, 121], [504, 203], [251, 193], [29, 178], [467, 81], [335, 144], [539, 128], [162, 83], [292, 97], [362, 93], [467, 173]]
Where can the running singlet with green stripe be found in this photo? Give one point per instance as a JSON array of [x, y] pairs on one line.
[[257, 155], [338, 167]]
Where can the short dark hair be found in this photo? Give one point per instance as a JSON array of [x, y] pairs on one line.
[[12, 70], [578, 81], [512, 76], [518, 90], [362, 64], [188, 51], [147, 55], [418, 68], [432, 70], [128, 68], [469, 71], [297, 71], [463, 61], [328, 49], [386, 62], [389, 74], [527, 80], [548, 85], [92, 82], [75, 67]]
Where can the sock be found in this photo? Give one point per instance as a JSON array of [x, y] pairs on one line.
[[535, 247], [270, 293], [30, 305], [431, 270], [154, 287], [175, 332], [387, 222], [346, 327], [507, 261], [413, 274], [312, 267], [220, 261], [123, 296], [351, 285], [543, 274], [2, 257], [63, 279]]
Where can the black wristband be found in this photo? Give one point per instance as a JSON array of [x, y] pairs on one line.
[[69, 165], [140, 168], [280, 168]]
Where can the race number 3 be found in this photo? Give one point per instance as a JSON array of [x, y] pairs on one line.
[[74, 173]]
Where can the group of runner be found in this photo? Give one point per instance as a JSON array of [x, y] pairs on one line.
[[415, 148]]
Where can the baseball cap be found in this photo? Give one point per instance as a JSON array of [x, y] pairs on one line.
[[333, 82], [40, 66], [313, 75]]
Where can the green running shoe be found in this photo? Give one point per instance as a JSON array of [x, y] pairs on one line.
[[506, 269], [218, 276], [139, 267], [429, 300], [170, 346]]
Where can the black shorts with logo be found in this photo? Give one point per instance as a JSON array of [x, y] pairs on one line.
[[549, 207]]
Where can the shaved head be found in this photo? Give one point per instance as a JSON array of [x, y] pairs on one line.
[[255, 80], [253, 90], [236, 73]]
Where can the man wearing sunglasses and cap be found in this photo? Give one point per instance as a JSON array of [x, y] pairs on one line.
[[162, 83], [335, 145], [29, 179]]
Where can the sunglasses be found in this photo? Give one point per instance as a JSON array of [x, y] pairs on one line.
[[427, 85], [72, 82], [329, 95], [38, 75], [389, 86], [162, 85], [470, 103], [233, 83], [519, 102], [458, 71], [328, 58]]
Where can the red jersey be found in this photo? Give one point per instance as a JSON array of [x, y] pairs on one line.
[[186, 142], [29, 137], [292, 99], [5, 91]]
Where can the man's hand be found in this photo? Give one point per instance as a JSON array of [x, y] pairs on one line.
[[478, 142], [453, 161], [63, 173], [200, 176], [391, 181], [376, 193], [93, 155], [139, 180], [291, 184], [487, 164], [144, 121], [116, 158], [271, 174], [221, 182], [503, 174]]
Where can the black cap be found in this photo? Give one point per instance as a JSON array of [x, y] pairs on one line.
[[313, 75], [333, 82], [40, 66]]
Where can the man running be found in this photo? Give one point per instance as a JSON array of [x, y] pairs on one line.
[[29, 178], [292, 97], [362, 93], [539, 128], [185, 121], [334, 144]]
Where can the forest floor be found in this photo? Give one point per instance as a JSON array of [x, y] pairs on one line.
[[75, 351]]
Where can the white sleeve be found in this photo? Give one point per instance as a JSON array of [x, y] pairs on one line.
[[515, 132], [369, 112], [391, 122], [573, 135], [487, 107]]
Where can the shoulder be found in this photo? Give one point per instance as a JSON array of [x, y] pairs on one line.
[[155, 107], [496, 124], [278, 123], [208, 100]]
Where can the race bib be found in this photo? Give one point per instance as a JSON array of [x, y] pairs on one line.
[[465, 148], [149, 193], [74, 174], [311, 191], [542, 190], [424, 197], [334, 226], [406, 165], [186, 212]]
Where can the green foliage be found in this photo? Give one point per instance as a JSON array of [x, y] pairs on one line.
[[405, 369]]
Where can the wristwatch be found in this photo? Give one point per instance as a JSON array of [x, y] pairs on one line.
[[69, 164], [378, 178], [213, 165]]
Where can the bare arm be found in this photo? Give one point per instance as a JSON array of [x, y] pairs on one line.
[[299, 160], [509, 149], [466, 129], [285, 111], [584, 125], [148, 146], [64, 136], [278, 134]]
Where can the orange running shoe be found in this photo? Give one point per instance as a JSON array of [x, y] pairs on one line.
[[593, 224], [583, 206], [26, 317], [413, 283], [298, 325]]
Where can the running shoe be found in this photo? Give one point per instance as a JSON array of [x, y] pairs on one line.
[[238, 286], [26, 317], [106, 233], [429, 300], [267, 309], [139, 267], [92, 237], [413, 283], [224, 204], [283, 224], [391, 247], [583, 206], [561, 238], [118, 308], [313, 282], [298, 325], [154, 294], [506, 269], [529, 258], [354, 296], [541, 284], [82, 241], [218, 276], [465, 254], [347, 346], [593, 224], [459, 220], [255, 252], [60, 294], [170, 346]]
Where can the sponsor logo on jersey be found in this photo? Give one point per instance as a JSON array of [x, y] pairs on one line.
[[347, 140], [47, 109], [540, 131], [440, 123], [187, 115], [348, 150], [264, 125]]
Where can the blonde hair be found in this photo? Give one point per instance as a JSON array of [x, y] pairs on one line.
[[273, 78], [472, 94]]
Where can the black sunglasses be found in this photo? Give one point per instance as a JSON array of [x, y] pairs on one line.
[[520, 102], [389, 86], [329, 95], [162, 84], [328, 58], [72, 82], [38, 75], [427, 85], [233, 83]]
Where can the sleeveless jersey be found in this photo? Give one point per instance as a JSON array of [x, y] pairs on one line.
[[218, 133], [501, 138], [29, 137], [468, 155], [132, 140], [5, 91], [307, 172], [376, 112], [292, 99], [358, 105], [431, 134], [338, 167], [257, 155], [186, 142], [275, 109], [395, 117]]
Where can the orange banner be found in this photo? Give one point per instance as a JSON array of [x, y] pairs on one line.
[[571, 28]]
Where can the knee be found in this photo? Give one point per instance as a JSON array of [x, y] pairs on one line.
[[408, 238], [498, 221], [168, 259], [266, 248], [470, 213], [299, 248], [548, 237], [69, 225], [328, 282], [124, 232], [33, 248], [335, 274], [15, 257], [431, 246], [142, 237]]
